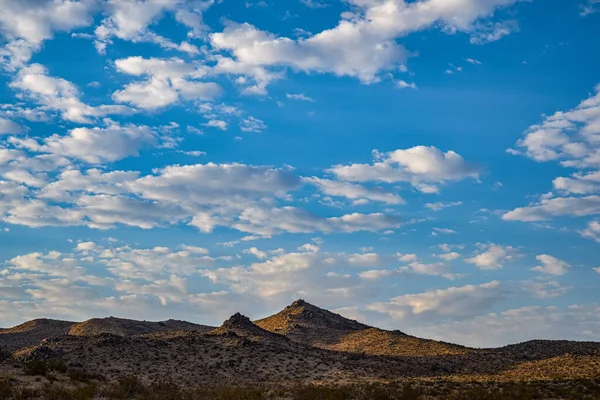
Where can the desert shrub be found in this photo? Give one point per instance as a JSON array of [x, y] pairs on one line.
[[35, 367], [126, 387], [164, 389], [4, 354], [228, 394], [310, 392], [79, 375], [6, 389], [58, 365]]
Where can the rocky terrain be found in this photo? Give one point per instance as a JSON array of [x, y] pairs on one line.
[[301, 344]]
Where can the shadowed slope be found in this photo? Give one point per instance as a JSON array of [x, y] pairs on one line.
[[31, 332]]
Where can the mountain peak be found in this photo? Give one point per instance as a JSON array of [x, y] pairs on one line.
[[303, 316], [298, 303], [238, 320]]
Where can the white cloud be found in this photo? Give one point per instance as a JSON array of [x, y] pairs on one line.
[[130, 21], [308, 273], [449, 256], [444, 231], [96, 145], [361, 46], [168, 81], [546, 290], [353, 191], [589, 7], [556, 207], [407, 257], [421, 166], [566, 136], [578, 322], [551, 265], [464, 301], [493, 257], [314, 4], [8, 127], [252, 124], [59, 95], [434, 269], [493, 31], [291, 219], [592, 231], [405, 85], [364, 260], [256, 252], [440, 205], [217, 123], [27, 24], [375, 274], [298, 96], [473, 61]]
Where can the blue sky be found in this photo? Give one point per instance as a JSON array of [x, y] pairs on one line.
[[430, 166]]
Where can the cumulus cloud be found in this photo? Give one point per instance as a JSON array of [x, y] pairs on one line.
[[8, 127], [569, 138], [167, 81], [407, 257], [460, 302], [57, 94], [252, 124], [354, 192], [130, 21], [556, 207], [592, 231], [576, 322], [566, 136], [405, 85], [433, 269], [26, 25], [308, 273], [205, 196], [96, 145], [421, 166], [546, 289], [551, 265], [493, 257], [449, 256], [362, 46]]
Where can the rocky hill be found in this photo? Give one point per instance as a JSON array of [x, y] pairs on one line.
[[32, 332], [128, 327], [302, 343], [305, 323]]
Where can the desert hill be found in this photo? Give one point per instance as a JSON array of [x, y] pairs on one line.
[[128, 327], [305, 323], [242, 326], [31, 332], [302, 343]]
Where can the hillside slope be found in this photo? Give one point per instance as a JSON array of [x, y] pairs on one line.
[[305, 323], [31, 332]]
